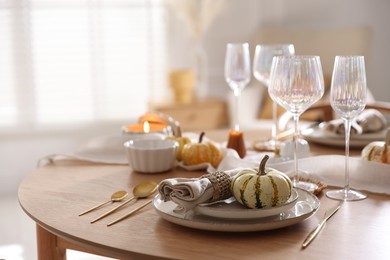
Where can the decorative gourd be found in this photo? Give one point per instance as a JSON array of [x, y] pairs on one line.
[[262, 187], [378, 151], [197, 153], [181, 141]]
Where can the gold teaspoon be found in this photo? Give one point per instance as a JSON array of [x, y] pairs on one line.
[[141, 190], [116, 196]]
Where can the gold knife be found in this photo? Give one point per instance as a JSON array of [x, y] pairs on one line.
[[130, 213], [329, 213]]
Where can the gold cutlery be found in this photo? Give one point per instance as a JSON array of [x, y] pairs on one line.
[[130, 213], [329, 213], [141, 190], [116, 196]]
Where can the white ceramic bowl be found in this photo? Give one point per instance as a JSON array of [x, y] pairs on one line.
[[151, 156]]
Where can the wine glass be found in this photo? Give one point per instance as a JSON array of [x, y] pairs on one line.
[[262, 62], [348, 98], [237, 73], [296, 83]]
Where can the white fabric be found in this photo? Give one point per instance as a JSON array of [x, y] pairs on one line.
[[187, 193], [364, 175], [105, 149]]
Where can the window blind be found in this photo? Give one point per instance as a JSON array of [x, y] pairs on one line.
[[73, 61]]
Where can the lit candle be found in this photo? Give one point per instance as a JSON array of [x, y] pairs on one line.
[[144, 128], [236, 142]]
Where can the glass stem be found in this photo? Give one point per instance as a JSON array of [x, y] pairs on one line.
[[237, 94], [295, 139], [274, 119], [347, 125]]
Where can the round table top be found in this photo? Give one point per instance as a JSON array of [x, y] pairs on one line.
[[55, 194]]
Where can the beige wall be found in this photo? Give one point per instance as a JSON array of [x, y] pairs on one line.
[[240, 20]]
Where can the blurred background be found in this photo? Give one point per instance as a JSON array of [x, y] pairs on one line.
[[71, 70]]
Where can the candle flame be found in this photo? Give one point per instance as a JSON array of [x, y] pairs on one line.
[[146, 127]]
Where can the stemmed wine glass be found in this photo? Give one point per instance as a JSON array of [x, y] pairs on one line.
[[296, 83], [262, 62], [237, 73], [348, 99]]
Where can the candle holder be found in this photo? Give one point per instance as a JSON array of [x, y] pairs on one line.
[[173, 126], [236, 142], [154, 123], [146, 128]]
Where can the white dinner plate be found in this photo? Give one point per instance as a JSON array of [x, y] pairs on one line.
[[321, 136], [306, 205], [234, 210]]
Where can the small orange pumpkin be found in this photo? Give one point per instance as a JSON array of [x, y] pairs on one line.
[[182, 141], [197, 153]]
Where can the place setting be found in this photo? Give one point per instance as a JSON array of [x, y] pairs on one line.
[[369, 126], [219, 201]]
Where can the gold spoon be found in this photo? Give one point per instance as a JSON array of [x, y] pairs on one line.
[[116, 196], [141, 190], [130, 213]]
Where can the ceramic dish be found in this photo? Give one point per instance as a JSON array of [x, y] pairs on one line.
[[306, 205], [234, 210], [321, 136], [151, 155]]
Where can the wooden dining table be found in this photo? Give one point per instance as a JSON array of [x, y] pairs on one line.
[[53, 196]]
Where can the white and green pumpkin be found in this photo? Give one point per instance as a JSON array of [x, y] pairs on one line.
[[262, 187]]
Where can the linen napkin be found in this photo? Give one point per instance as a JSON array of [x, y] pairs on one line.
[[187, 193], [369, 121], [104, 149]]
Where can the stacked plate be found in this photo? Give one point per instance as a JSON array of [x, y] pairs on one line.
[[230, 216], [319, 135]]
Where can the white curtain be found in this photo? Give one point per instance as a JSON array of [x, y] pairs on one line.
[[66, 62]]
